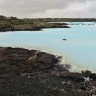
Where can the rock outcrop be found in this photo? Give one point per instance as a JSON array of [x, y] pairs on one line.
[[19, 60]]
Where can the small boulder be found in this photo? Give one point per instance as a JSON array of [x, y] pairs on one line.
[[64, 39]]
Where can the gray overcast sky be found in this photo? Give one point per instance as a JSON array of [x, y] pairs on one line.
[[48, 8]]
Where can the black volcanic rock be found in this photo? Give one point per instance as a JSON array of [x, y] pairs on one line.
[[43, 60], [21, 60], [26, 72]]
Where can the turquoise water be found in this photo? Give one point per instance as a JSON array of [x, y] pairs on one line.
[[79, 49]]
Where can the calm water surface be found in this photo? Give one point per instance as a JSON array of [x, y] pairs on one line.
[[78, 50]]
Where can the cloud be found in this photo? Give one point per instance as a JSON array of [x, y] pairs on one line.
[[48, 8], [75, 9]]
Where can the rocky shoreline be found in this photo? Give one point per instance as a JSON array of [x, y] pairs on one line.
[[30, 28], [26, 72]]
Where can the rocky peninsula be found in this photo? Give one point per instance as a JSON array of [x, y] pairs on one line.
[[26, 24], [26, 72]]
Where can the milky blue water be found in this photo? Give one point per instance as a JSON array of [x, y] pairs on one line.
[[79, 49]]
